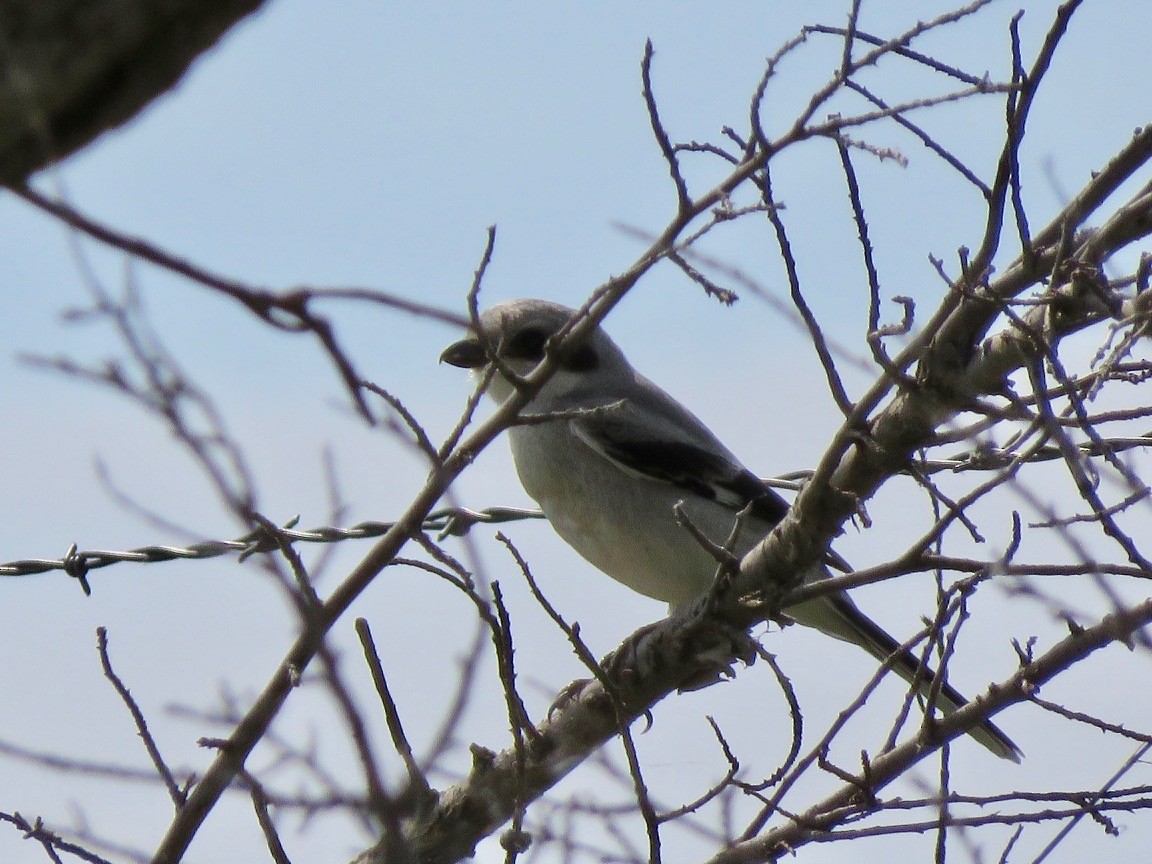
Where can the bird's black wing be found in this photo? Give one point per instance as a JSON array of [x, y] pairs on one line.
[[666, 453]]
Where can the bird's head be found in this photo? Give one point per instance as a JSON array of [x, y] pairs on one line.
[[517, 333]]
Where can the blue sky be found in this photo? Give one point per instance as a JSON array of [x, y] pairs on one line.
[[372, 144]]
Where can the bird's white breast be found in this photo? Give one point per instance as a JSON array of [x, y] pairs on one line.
[[621, 522]]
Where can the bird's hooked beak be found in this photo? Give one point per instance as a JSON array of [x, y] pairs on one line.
[[466, 354]]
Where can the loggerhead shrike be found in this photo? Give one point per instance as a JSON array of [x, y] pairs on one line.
[[608, 480]]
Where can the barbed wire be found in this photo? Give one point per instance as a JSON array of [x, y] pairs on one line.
[[457, 521], [446, 522], [990, 458], [449, 521]]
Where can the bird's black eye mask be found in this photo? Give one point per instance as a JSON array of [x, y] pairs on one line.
[[582, 358], [530, 343], [527, 344]]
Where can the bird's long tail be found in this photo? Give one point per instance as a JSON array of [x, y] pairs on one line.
[[837, 616]]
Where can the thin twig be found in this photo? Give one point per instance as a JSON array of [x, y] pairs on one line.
[[178, 795]]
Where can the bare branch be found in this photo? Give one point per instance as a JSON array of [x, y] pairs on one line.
[[176, 792]]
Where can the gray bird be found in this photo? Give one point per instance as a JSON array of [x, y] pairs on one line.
[[609, 479]]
